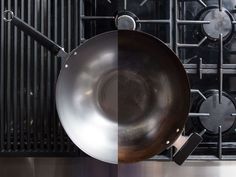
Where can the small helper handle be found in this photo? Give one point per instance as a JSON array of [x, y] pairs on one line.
[[57, 50], [185, 145]]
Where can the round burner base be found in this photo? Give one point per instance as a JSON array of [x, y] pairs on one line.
[[220, 113], [220, 23]]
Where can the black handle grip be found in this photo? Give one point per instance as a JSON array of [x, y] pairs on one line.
[[39, 37], [188, 147]]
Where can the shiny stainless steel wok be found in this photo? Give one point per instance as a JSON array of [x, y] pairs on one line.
[[122, 96]]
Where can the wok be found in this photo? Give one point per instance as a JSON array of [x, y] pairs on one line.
[[122, 96]]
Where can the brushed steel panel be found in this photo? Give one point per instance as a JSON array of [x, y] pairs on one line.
[[170, 169], [55, 167]]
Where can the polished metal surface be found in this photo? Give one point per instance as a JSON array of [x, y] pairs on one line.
[[122, 96], [170, 169], [76, 97]]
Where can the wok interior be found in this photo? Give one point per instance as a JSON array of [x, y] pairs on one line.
[[167, 95], [124, 95], [131, 93]]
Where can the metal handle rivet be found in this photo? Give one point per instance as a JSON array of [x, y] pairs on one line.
[[177, 130], [167, 142]]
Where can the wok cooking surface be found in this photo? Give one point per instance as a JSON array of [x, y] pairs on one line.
[[166, 83], [123, 97], [124, 94]]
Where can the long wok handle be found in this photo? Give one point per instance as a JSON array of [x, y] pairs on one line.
[[57, 50]]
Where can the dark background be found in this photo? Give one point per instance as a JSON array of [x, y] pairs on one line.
[[29, 125]]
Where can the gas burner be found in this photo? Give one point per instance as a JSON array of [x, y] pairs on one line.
[[126, 20], [220, 113], [220, 23]]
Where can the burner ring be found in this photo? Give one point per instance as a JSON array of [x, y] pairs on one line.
[[220, 114], [220, 23]]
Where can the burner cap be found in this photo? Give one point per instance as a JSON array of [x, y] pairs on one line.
[[220, 23], [220, 114], [126, 20]]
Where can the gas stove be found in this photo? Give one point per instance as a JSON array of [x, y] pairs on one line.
[[202, 34]]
